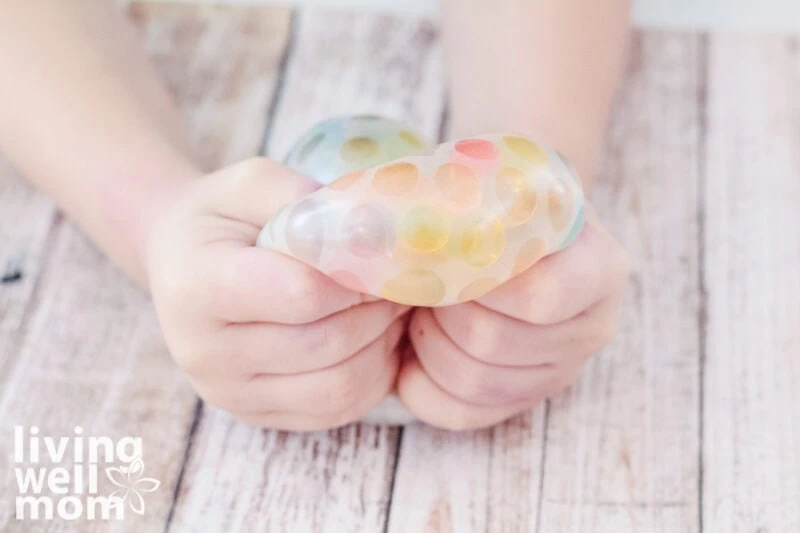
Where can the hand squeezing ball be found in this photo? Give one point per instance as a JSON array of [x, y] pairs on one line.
[[441, 226]]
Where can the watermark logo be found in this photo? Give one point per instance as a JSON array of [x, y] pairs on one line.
[[132, 484], [47, 489]]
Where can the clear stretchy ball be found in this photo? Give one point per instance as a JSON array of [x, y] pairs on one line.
[[438, 228]]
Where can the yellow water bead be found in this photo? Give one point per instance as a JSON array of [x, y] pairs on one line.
[[479, 239], [526, 149], [412, 139], [425, 228], [359, 149], [476, 289], [414, 287]]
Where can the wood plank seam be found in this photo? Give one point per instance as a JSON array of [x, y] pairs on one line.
[[195, 423], [280, 83], [7, 368], [542, 466], [398, 448], [702, 304]]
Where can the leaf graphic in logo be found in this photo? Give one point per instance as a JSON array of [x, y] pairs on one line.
[[132, 484]]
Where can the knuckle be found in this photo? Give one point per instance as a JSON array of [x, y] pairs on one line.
[[341, 393], [478, 334], [253, 167], [327, 340], [304, 293], [472, 386], [543, 301], [475, 386]]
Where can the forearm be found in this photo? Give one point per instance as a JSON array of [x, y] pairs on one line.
[[544, 67], [84, 117]]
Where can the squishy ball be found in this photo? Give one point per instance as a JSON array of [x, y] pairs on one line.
[[436, 228], [343, 145]]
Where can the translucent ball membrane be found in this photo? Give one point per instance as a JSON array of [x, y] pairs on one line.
[[443, 226]]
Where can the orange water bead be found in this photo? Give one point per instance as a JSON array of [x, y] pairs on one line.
[[345, 182], [516, 194], [396, 179], [459, 184], [414, 287], [559, 205]]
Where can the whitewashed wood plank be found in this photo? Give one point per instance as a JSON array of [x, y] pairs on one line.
[[346, 62], [622, 445], [241, 479], [26, 221], [620, 453], [484, 480], [92, 354], [766, 15], [752, 274]]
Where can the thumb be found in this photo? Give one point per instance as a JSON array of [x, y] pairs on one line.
[[254, 190]]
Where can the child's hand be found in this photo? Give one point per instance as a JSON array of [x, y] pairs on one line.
[[481, 362], [262, 335]]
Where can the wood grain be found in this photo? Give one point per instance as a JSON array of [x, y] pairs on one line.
[[339, 63], [92, 353], [686, 423], [752, 275], [622, 446], [27, 219], [617, 452]]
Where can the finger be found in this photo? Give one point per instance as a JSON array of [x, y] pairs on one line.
[[336, 391], [497, 339], [564, 284], [254, 190], [269, 348], [315, 422], [250, 284], [479, 383], [431, 404]]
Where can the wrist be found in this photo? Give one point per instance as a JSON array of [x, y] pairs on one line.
[[135, 209]]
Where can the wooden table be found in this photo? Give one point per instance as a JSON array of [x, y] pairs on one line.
[[688, 422]]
